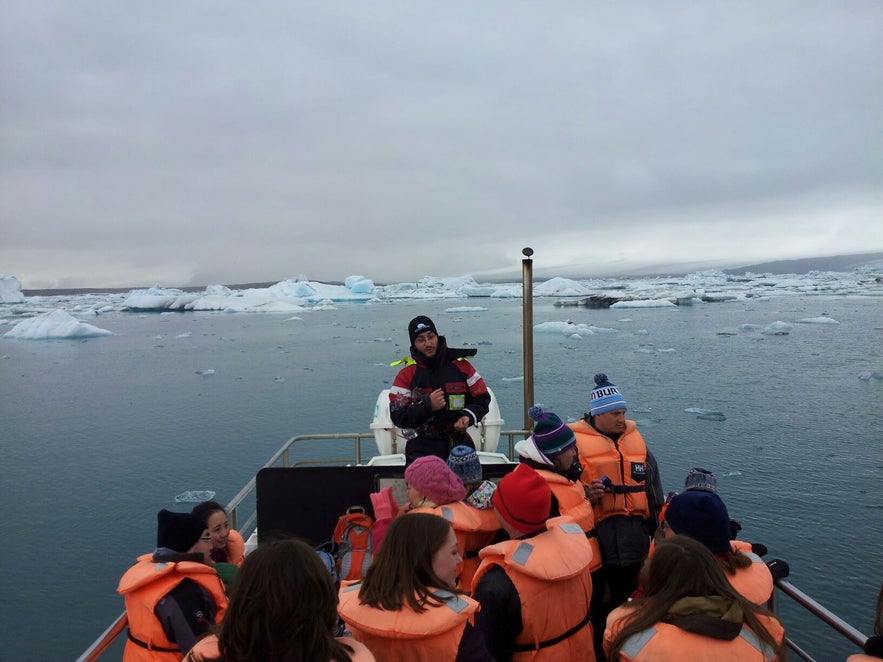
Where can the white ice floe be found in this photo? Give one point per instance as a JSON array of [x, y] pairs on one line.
[[645, 303], [818, 320], [571, 330], [195, 496], [56, 324], [777, 329]]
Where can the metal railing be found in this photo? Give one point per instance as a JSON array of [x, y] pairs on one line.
[[816, 609], [282, 457]]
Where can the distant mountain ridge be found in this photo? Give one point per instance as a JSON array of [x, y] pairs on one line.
[[805, 265]]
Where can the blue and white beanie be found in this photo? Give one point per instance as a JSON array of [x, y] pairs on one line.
[[605, 396]]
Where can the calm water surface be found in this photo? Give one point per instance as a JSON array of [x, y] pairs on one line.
[[98, 435]]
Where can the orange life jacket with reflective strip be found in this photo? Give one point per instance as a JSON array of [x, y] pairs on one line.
[[550, 573], [143, 586], [406, 635], [664, 641], [621, 461], [572, 502]]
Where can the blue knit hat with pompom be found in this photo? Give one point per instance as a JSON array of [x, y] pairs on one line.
[[605, 396], [550, 434]]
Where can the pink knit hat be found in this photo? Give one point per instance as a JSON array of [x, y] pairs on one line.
[[433, 478]]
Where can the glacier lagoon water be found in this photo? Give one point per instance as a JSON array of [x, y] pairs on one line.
[[98, 435]]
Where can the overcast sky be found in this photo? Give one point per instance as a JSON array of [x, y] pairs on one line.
[[182, 143]]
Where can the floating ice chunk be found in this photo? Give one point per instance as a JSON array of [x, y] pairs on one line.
[[359, 285], [512, 379], [295, 318], [642, 332], [818, 320], [571, 330], [561, 287], [644, 303], [55, 324], [867, 376], [777, 329], [10, 290], [750, 327], [465, 309], [186, 334], [208, 372], [279, 380], [195, 496], [706, 414]]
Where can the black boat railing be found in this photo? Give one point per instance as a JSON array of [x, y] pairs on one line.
[[242, 512], [784, 587]]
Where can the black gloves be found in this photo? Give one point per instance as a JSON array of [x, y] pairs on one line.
[[778, 568], [759, 548]]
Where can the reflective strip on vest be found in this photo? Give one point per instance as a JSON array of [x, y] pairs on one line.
[[755, 641], [447, 513], [635, 644], [522, 554], [571, 527], [454, 602]]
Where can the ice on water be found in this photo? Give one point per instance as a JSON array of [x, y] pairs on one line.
[[48, 317], [195, 496]]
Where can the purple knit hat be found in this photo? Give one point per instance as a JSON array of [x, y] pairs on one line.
[[550, 434], [432, 477]]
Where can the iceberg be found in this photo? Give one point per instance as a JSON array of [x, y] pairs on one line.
[[56, 324], [10, 290]]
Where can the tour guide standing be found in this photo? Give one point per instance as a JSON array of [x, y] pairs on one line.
[[438, 394], [622, 482]]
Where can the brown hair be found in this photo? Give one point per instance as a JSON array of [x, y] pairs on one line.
[[680, 567], [731, 562], [283, 607], [402, 570]]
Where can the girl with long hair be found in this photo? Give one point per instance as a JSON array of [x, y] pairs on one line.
[[407, 608], [284, 607], [689, 611]]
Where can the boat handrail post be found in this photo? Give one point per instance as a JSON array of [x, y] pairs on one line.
[[527, 331]]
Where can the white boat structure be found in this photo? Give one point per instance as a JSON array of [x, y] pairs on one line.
[[281, 497]]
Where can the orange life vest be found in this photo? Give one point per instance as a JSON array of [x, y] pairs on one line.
[[207, 649], [664, 641], [143, 586], [572, 502], [754, 583], [550, 573], [235, 548], [619, 460], [474, 528], [406, 635]]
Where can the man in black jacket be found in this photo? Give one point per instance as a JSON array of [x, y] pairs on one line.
[[437, 395]]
